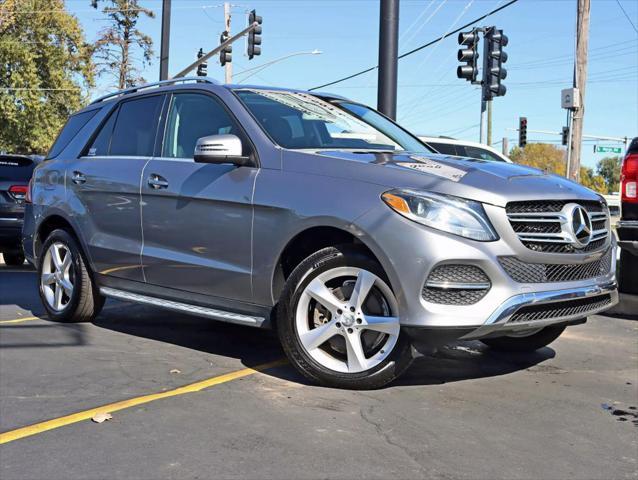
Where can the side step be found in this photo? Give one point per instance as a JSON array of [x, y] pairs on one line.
[[184, 307]]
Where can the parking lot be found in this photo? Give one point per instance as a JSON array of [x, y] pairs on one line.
[[568, 411]]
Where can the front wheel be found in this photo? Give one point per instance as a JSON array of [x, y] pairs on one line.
[[525, 343], [338, 321], [66, 288]]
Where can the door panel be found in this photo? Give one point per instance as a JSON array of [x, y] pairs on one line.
[[104, 187], [107, 209], [197, 228]]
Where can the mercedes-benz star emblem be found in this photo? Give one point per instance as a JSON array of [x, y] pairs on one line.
[[581, 226]]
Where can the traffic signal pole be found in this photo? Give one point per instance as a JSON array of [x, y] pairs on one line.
[[388, 58], [216, 50]]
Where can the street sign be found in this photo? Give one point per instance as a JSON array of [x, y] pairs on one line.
[[602, 149]]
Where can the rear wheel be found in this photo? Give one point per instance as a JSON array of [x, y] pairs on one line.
[[628, 272], [338, 321], [66, 288], [13, 259], [525, 343]]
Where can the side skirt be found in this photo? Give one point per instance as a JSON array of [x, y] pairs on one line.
[[201, 311]]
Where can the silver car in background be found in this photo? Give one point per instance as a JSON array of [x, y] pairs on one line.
[[314, 215]]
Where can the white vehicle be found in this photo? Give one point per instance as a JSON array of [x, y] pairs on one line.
[[462, 148]]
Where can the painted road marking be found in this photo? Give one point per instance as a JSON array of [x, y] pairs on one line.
[[19, 320], [52, 424]]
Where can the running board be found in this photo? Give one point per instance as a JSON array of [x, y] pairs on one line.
[[184, 307]]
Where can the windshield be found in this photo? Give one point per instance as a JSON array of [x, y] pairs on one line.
[[304, 121]]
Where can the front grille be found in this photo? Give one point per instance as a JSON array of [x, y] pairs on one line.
[[541, 225], [523, 272], [568, 308], [456, 285]]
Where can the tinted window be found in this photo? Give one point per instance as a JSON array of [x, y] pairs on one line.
[[70, 130], [135, 127], [192, 116], [15, 168], [102, 142], [300, 120], [444, 148], [481, 153]]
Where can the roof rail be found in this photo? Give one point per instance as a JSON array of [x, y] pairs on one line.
[[172, 81]]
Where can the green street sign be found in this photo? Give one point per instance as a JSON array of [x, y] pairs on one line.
[[602, 149]]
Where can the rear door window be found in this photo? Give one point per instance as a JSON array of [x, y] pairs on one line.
[[70, 130], [136, 126]]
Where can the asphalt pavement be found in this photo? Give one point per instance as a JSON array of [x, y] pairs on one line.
[[194, 398]]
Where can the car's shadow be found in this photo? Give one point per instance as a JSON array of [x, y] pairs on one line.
[[454, 362]]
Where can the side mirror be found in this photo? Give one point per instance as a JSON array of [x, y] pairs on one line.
[[220, 149]]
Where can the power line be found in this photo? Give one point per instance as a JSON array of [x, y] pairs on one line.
[[628, 17], [414, 50]]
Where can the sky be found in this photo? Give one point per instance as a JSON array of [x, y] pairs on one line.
[[431, 99]]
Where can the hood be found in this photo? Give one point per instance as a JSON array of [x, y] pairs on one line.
[[486, 181]]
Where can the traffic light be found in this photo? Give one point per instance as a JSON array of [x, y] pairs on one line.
[[254, 36], [565, 135], [201, 68], [495, 40], [522, 132], [468, 55], [225, 54]]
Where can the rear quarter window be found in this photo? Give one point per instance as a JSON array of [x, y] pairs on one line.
[[70, 130]]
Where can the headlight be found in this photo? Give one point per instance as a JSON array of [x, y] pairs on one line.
[[449, 214]]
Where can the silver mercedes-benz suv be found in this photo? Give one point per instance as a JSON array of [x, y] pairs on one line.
[[314, 215]]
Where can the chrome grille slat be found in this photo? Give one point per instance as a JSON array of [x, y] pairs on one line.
[[542, 225]]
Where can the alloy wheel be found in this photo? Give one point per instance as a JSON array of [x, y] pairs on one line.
[[57, 276], [347, 319]]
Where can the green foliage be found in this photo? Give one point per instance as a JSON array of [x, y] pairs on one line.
[[551, 159], [118, 44], [609, 169], [45, 70]]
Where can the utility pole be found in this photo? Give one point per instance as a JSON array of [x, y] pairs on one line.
[[166, 34], [489, 122], [505, 146], [580, 80], [228, 72], [388, 57]]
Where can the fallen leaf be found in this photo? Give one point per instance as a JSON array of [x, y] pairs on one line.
[[101, 417], [176, 371]]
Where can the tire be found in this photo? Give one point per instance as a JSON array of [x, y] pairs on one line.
[[79, 298], [13, 259], [357, 353], [525, 344], [628, 272]]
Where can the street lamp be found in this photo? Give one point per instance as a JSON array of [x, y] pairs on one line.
[[259, 68]]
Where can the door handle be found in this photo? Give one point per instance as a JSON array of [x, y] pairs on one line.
[[157, 181], [78, 178]]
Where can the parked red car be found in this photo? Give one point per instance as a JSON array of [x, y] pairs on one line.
[[628, 224]]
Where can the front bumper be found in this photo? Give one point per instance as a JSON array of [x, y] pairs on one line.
[[409, 252]]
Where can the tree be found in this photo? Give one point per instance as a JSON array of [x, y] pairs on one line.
[[542, 156], [45, 71], [609, 169], [552, 160], [590, 180], [117, 45]]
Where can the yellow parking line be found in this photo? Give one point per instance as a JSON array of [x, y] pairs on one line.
[[34, 429], [19, 320]]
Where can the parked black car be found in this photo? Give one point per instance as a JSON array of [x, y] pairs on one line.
[[628, 224], [15, 173]]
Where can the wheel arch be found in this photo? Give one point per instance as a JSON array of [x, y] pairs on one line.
[[53, 221], [310, 240]]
